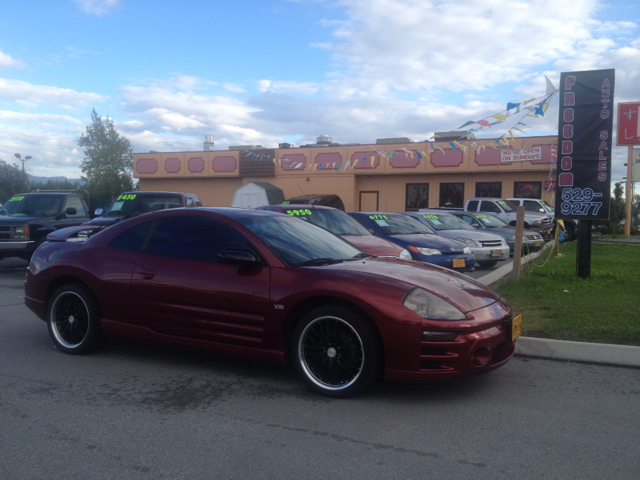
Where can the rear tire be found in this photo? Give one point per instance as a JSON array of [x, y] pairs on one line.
[[488, 264], [73, 320], [337, 352]]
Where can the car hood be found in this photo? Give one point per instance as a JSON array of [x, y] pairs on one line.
[[11, 219], [429, 240], [102, 221], [374, 245], [465, 292], [472, 234]]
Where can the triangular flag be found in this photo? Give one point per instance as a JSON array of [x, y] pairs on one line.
[[499, 116]]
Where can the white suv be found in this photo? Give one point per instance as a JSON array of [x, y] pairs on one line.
[[502, 208]]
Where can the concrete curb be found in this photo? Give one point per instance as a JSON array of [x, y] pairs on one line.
[[622, 355]]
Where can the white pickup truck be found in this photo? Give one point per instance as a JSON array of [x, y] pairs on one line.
[[502, 208], [570, 229]]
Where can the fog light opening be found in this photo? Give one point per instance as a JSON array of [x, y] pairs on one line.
[[438, 336], [481, 357]]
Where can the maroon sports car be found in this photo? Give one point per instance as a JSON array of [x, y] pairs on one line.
[[268, 286]]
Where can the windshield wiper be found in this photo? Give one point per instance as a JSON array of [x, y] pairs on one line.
[[319, 261], [362, 255]]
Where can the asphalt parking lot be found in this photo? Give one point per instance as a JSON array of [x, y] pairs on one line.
[[142, 411]]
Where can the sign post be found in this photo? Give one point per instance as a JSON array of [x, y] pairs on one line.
[[585, 129], [628, 134]]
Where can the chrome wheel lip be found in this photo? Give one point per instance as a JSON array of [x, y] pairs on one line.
[[331, 353], [72, 320]]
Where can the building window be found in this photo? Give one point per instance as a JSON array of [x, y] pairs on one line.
[[489, 189], [452, 195], [417, 196], [527, 189]]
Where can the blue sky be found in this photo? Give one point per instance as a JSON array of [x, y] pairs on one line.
[[264, 72]]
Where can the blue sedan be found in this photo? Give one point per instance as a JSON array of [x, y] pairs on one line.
[[421, 242]]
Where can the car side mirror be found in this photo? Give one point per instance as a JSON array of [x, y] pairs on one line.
[[98, 212], [70, 211], [237, 257]]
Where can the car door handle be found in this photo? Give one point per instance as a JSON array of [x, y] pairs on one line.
[[147, 274]]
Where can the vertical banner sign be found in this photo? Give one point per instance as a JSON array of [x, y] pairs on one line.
[[585, 130]]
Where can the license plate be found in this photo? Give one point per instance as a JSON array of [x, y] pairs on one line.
[[458, 263], [537, 244], [516, 327], [496, 253]]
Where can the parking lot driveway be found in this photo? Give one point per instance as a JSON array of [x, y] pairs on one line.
[[142, 411]]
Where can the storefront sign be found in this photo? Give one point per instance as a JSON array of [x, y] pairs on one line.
[[585, 130], [628, 123], [522, 155]]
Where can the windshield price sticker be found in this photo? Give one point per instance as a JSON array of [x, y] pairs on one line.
[[287, 202], [126, 197], [578, 201], [16, 199], [378, 217], [297, 213], [431, 217], [481, 216]]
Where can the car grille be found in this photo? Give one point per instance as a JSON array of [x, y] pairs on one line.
[[5, 233], [491, 243], [534, 236], [547, 221]]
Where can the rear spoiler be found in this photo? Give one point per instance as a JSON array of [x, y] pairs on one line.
[[64, 234]]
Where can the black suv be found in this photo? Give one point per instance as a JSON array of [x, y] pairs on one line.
[[26, 219], [131, 204]]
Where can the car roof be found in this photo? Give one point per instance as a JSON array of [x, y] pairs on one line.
[[153, 192], [297, 205]]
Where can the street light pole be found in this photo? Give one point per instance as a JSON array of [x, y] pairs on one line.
[[19, 157]]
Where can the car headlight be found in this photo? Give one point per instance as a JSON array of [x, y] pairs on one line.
[[466, 250], [468, 241], [504, 242], [21, 232], [538, 222], [404, 255], [512, 238], [430, 306], [425, 251]]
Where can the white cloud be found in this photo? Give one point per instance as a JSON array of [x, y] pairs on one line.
[[7, 62], [98, 7], [27, 94]]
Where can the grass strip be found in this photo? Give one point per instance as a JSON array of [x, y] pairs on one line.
[[555, 303]]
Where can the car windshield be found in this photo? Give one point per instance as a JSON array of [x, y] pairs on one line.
[[398, 224], [130, 204], [548, 207], [489, 221], [336, 221], [298, 243], [21, 205], [508, 207], [441, 222]]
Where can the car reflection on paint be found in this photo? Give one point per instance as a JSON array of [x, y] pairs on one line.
[[341, 224], [271, 287]]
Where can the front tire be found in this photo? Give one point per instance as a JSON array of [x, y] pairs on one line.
[[336, 351], [73, 320]]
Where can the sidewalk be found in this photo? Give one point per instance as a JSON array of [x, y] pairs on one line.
[[621, 355]]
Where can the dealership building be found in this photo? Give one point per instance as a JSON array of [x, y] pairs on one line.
[[392, 175]]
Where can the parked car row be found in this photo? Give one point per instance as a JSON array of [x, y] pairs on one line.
[[266, 285]]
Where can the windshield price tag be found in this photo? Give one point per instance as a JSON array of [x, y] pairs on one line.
[[126, 197], [16, 199], [378, 217], [297, 213], [431, 217], [481, 216]]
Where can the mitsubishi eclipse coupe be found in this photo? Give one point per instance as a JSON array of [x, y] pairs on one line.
[[268, 286]]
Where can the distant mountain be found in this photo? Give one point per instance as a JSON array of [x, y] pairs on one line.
[[36, 179]]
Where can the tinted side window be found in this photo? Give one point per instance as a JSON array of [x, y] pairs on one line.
[[132, 239], [193, 237], [363, 221], [473, 206], [76, 203], [489, 207]]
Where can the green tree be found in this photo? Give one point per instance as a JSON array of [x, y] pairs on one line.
[[617, 212], [108, 162], [12, 181]]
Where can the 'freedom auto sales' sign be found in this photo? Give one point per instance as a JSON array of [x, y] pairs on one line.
[[585, 130], [522, 155]]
